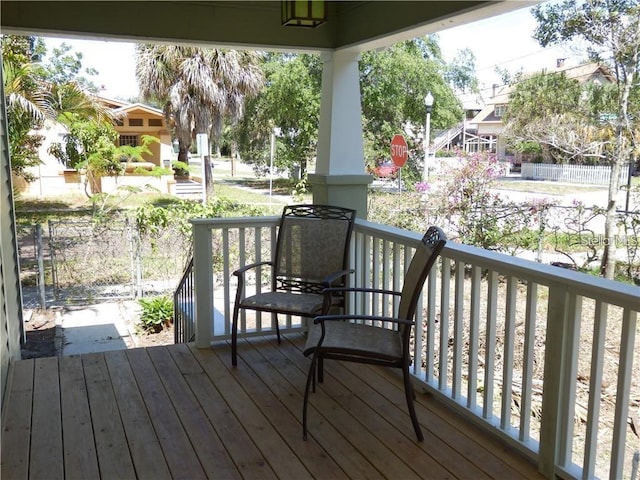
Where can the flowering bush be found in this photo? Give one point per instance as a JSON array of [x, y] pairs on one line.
[[474, 215], [422, 187]]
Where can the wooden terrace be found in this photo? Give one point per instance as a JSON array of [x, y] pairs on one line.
[[179, 412]]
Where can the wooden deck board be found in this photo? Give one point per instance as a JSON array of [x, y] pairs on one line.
[[179, 412], [280, 456], [110, 440], [246, 456], [16, 422], [331, 410], [393, 427], [205, 441], [450, 446], [46, 458], [79, 449], [178, 453], [145, 448], [283, 409]]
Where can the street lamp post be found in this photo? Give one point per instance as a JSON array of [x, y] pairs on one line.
[[428, 102]]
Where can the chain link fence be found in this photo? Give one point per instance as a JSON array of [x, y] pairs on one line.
[[71, 262]]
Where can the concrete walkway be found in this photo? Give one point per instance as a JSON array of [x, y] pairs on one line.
[[97, 328]]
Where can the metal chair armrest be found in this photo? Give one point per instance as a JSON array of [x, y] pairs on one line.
[[240, 271], [334, 276]]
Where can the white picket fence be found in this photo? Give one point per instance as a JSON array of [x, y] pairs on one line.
[[585, 174]]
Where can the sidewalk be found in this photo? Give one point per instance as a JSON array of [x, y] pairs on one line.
[[96, 328]]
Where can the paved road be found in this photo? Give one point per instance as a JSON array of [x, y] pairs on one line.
[[588, 198]]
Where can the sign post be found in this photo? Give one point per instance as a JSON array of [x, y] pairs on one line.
[[399, 155]]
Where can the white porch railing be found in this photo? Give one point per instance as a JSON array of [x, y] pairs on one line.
[[443, 139], [541, 356]]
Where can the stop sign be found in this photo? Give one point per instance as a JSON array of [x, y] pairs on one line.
[[399, 150]]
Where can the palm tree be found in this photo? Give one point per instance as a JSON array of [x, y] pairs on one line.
[[32, 100], [27, 107], [70, 101], [199, 88]]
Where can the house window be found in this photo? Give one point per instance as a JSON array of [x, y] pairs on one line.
[[129, 140], [155, 122], [135, 122], [500, 109]]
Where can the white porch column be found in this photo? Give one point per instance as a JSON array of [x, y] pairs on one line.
[[340, 178]]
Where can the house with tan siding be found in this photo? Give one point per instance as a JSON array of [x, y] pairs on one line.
[[133, 121], [488, 121]]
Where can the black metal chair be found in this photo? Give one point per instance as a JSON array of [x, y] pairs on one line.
[[311, 254], [377, 340]]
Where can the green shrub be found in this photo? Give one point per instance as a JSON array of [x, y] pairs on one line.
[[157, 312], [180, 168]]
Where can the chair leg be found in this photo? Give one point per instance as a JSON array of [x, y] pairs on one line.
[[310, 379], [320, 369], [278, 330], [274, 319], [410, 395], [234, 337]]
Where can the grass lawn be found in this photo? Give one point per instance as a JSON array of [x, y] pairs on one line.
[[40, 210], [245, 195]]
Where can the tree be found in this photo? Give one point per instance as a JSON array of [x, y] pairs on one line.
[[394, 83], [611, 30], [199, 89], [26, 100], [561, 115], [35, 93], [70, 101], [65, 66], [289, 102], [461, 74], [89, 145]]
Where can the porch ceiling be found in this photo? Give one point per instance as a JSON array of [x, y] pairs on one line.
[[359, 25]]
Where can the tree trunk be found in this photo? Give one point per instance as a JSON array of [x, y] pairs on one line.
[[608, 265], [183, 153], [208, 176], [622, 152]]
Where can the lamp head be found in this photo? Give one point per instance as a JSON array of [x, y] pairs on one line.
[[428, 100]]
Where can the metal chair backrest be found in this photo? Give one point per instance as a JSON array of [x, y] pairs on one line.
[[313, 243], [423, 259]]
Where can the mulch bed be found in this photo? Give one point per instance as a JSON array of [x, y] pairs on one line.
[[40, 329]]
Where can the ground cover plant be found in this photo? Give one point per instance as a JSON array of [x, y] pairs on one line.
[[157, 313]]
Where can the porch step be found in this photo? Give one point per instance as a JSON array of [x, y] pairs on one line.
[[188, 188]]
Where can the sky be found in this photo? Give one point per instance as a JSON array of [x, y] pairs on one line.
[[114, 61], [503, 41]]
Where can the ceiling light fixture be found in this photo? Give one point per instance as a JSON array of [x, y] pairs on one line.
[[296, 13]]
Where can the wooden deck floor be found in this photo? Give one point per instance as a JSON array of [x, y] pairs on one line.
[[179, 412]]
